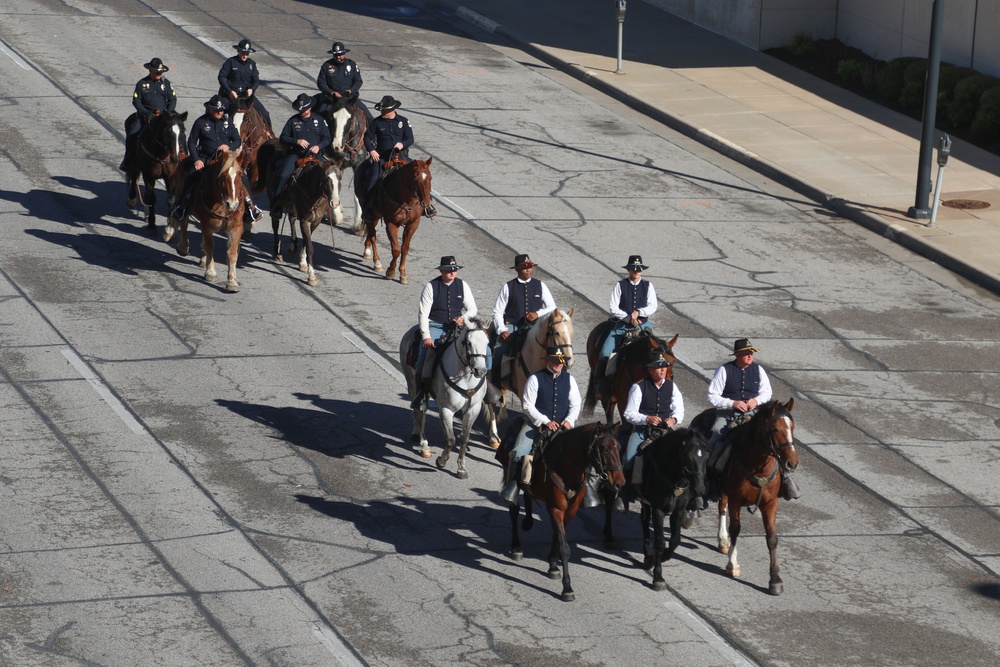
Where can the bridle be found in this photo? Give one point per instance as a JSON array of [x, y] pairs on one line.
[[418, 167], [551, 336], [220, 179], [774, 450], [466, 355], [160, 143]]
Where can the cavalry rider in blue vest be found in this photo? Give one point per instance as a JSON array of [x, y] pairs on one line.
[[211, 132], [445, 303], [389, 133], [339, 77], [551, 402], [633, 301], [653, 403], [519, 304], [304, 134], [238, 77], [153, 95], [737, 388]]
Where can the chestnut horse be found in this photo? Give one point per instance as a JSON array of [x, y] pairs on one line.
[[347, 123], [558, 477], [217, 202], [552, 330], [158, 154], [254, 131], [761, 446], [403, 195], [630, 367]]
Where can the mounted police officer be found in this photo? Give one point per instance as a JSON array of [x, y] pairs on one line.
[[654, 405], [339, 77], [304, 134], [389, 133], [445, 303], [633, 301], [551, 402], [211, 132], [519, 304], [238, 77], [153, 95]]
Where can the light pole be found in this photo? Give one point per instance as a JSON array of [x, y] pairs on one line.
[[919, 209], [620, 17]]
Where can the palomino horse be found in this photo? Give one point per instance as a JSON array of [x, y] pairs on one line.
[[458, 385], [402, 197], [158, 154], [217, 203], [347, 124], [553, 330], [254, 131], [558, 475], [761, 446], [630, 367]]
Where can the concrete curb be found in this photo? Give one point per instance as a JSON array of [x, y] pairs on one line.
[[843, 208]]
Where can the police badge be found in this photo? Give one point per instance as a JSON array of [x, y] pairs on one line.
[[401, 125]]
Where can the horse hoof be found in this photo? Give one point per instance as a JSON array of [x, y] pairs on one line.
[[168, 234], [403, 280], [463, 474], [734, 572], [528, 523], [313, 281], [379, 269], [568, 596], [304, 268], [555, 574], [660, 585], [426, 453], [494, 444], [647, 562], [441, 462], [131, 204], [368, 254], [724, 550], [776, 589], [389, 275], [232, 286], [182, 251], [516, 555]]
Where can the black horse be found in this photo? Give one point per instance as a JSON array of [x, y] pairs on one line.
[[158, 154]]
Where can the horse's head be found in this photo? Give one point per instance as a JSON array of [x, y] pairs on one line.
[[776, 428], [345, 121], [666, 347], [229, 177], [559, 333], [473, 346], [694, 459], [422, 182], [606, 460], [167, 132]]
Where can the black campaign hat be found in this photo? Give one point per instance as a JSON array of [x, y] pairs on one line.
[[635, 263], [742, 346], [657, 359], [388, 103], [448, 263], [217, 103], [156, 65], [244, 46], [338, 49], [523, 262], [302, 102], [554, 354]]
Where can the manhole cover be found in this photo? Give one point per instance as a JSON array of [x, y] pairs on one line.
[[968, 204]]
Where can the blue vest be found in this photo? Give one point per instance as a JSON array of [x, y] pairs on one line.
[[741, 385], [634, 297], [552, 399], [523, 298], [656, 401], [449, 300]]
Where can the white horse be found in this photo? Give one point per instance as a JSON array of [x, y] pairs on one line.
[[458, 385]]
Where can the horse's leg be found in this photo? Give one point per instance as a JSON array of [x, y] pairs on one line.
[[733, 567], [408, 231], [150, 189], [675, 533], [183, 245], [132, 182], [306, 254], [392, 231], [419, 420], [645, 516], [372, 246], [491, 418], [724, 540], [609, 538], [659, 544], [769, 513], [447, 416], [275, 226], [468, 419], [235, 233], [560, 545], [208, 253], [515, 540]]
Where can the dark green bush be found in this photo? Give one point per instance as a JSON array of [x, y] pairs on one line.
[[947, 80], [802, 45], [986, 125], [849, 72], [889, 83], [911, 96], [962, 109]]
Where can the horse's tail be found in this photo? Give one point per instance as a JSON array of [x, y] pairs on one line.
[[590, 399]]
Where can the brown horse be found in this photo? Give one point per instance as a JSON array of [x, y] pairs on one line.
[[254, 131], [763, 447], [158, 154], [217, 203], [552, 330], [558, 477], [630, 368], [347, 123], [403, 195]]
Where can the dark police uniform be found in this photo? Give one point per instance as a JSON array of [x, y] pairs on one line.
[[238, 76], [335, 77], [312, 129], [384, 133], [207, 135]]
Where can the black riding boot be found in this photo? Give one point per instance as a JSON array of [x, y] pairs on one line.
[[511, 489]]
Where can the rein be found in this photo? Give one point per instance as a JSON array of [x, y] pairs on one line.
[[211, 207], [772, 453]]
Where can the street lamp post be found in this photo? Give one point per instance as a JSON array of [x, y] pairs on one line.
[[920, 210], [620, 17]]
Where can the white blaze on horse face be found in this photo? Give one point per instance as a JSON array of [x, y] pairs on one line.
[[175, 130], [232, 175], [789, 428], [340, 118], [238, 119], [334, 188]]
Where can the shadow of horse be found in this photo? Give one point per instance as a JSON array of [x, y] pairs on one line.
[[66, 208]]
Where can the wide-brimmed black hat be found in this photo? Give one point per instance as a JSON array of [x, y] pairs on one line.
[[635, 263], [523, 262], [156, 65], [742, 346], [244, 46], [338, 49], [388, 103], [657, 359], [217, 103], [448, 263], [302, 102], [554, 354]]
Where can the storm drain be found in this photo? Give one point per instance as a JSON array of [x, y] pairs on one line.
[[965, 204]]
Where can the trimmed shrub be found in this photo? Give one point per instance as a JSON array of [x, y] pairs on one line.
[[802, 45], [962, 109], [889, 83], [911, 96], [986, 125], [849, 72], [947, 80]]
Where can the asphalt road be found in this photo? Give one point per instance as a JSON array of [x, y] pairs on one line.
[[192, 477]]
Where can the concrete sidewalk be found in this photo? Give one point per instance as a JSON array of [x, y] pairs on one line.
[[853, 156]]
